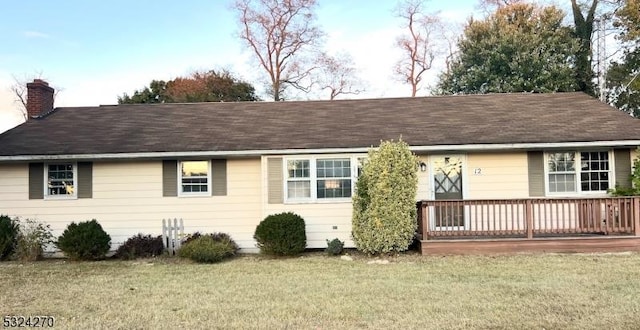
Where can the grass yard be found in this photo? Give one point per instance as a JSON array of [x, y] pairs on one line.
[[600, 291]]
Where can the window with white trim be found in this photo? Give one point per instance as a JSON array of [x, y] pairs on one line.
[[334, 178], [316, 178], [194, 178], [577, 172], [594, 168], [298, 178], [60, 180]]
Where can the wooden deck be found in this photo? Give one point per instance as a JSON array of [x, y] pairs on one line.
[[529, 225]]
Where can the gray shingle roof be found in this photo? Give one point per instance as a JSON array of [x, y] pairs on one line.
[[425, 121]]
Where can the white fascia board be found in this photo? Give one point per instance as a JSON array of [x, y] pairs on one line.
[[521, 146], [257, 153]]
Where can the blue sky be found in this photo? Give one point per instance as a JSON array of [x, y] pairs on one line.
[[96, 50]]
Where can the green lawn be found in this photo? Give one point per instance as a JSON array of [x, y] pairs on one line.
[[597, 291]]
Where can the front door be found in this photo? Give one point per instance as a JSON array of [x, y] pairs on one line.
[[447, 185]]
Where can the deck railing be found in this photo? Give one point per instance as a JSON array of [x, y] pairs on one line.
[[528, 217]]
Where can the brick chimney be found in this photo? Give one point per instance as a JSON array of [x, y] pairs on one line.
[[39, 98]]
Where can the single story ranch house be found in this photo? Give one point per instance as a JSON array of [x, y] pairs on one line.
[[497, 171]]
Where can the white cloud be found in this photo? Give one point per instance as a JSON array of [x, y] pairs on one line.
[[104, 88], [10, 114], [101, 89], [374, 55], [9, 119], [35, 34]]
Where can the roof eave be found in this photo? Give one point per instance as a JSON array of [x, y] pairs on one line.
[[257, 153]]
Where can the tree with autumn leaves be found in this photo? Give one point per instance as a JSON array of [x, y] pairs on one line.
[[200, 86]]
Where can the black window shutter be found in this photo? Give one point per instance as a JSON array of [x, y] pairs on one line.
[[85, 180], [36, 180], [169, 178]]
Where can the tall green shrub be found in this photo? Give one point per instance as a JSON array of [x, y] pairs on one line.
[[9, 230], [84, 241], [384, 203]]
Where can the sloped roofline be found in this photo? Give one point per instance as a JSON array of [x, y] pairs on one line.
[[251, 129]]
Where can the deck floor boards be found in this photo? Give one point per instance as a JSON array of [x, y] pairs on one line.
[[520, 245]]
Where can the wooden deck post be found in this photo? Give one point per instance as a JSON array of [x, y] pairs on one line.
[[529, 218], [425, 221], [636, 216]]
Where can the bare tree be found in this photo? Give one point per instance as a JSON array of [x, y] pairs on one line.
[[279, 32], [19, 90], [339, 75], [450, 38], [490, 6], [418, 45]]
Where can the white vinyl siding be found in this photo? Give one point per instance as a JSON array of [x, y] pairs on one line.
[[497, 175], [127, 200]]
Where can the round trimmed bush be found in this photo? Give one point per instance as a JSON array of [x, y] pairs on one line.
[[205, 249], [84, 241], [9, 230], [140, 246], [334, 247], [281, 234]]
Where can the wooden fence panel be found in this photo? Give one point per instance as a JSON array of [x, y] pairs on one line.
[[172, 234]]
